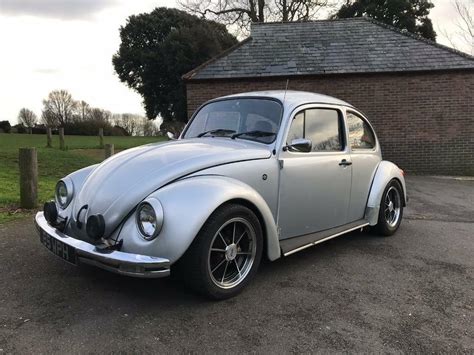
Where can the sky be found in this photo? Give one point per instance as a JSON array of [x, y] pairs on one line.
[[68, 44]]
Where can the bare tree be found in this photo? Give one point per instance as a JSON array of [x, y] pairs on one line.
[[129, 122], [27, 117], [242, 13], [82, 110], [99, 115], [463, 36], [465, 24], [148, 127], [59, 107], [49, 119]]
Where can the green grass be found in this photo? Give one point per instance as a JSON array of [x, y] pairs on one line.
[[53, 164]]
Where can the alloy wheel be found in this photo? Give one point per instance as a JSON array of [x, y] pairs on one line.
[[232, 253], [392, 205]]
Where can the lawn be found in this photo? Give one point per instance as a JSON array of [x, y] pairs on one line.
[[52, 164]]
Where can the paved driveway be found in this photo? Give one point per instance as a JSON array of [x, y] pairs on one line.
[[413, 292]]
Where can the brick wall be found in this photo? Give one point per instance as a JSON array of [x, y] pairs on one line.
[[424, 121]]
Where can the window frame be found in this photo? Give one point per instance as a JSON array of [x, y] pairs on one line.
[[342, 129], [362, 117]]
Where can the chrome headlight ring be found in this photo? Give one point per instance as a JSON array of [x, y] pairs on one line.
[[64, 192], [149, 218]]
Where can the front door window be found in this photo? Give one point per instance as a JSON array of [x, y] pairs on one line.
[[322, 126]]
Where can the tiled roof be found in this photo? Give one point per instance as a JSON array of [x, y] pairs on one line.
[[356, 45]]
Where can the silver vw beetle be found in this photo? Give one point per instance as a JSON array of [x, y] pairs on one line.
[[260, 174]]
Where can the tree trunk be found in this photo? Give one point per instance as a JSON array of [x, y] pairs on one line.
[[252, 11], [284, 10], [28, 164], [62, 145], [261, 14]]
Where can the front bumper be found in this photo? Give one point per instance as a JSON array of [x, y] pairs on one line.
[[129, 264]]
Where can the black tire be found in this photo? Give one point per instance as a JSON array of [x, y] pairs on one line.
[[384, 227], [195, 265]]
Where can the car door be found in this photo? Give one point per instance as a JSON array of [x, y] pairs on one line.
[[314, 191], [365, 156]]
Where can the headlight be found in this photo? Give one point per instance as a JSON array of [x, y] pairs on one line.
[[150, 218], [64, 192]]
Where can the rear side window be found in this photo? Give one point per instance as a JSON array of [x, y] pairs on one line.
[[361, 135], [322, 126]]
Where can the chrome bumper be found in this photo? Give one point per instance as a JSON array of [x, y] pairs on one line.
[[135, 265]]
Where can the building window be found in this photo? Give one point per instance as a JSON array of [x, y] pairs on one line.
[[360, 133]]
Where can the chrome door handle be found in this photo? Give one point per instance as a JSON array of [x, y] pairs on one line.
[[344, 162]]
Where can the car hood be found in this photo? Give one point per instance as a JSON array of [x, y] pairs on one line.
[[117, 185]]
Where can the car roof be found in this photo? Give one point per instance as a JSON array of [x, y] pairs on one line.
[[292, 98]]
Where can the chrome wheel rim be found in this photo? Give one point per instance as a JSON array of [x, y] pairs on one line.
[[232, 253], [392, 205]]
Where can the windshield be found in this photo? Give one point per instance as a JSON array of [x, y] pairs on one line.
[[253, 119]]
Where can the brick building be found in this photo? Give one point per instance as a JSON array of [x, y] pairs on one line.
[[419, 95]]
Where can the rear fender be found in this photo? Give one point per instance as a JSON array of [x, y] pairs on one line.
[[386, 171]]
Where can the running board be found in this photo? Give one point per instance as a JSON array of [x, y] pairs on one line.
[[292, 245]]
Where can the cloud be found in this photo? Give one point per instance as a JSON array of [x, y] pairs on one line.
[[47, 71], [59, 9]]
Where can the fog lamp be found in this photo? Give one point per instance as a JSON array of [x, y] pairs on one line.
[[95, 226], [51, 213]]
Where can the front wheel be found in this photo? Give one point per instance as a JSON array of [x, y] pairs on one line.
[[391, 209], [226, 253]]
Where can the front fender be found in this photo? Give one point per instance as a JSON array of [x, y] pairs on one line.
[[386, 171], [187, 204], [77, 178]]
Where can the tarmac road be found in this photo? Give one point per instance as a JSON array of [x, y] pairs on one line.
[[413, 292]]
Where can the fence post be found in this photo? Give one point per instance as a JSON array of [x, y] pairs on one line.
[[49, 138], [62, 146], [101, 138], [109, 150], [28, 163]]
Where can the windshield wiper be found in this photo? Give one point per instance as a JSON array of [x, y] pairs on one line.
[[216, 131], [253, 134]]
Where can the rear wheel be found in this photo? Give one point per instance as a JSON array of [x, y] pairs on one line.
[[391, 209], [225, 255]]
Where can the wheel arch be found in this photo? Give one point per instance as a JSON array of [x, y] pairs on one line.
[[251, 206], [404, 202], [189, 202], [386, 172]]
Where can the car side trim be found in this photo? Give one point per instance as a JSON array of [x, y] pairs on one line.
[[296, 244]]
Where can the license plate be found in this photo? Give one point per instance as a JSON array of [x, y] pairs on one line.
[[57, 247]]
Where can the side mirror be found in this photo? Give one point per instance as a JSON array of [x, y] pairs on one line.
[[170, 135], [300, 145]]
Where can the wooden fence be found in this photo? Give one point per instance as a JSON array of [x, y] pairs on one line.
[[28, 165]]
